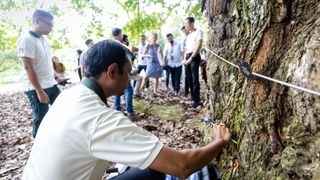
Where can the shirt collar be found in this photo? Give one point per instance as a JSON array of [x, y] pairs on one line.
[[94, 86], [34, 34]]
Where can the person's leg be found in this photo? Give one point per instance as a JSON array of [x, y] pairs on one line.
[[204, 72], [156, 83], [129, 98], [186, 83], [138, 174], [189, 78], [39, 110], [117, 100], [195, 81], [144, 81], [139, 70], [173, 74], [137, 86], [178, 78], [166, 68], [79, 74], [147, 83]]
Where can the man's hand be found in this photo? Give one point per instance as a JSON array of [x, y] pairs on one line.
[[221, 132], [43, 97], [187, 62]]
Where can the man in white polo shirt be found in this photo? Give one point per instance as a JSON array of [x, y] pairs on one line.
[[172, 57], [192, 59], [38, 82], [81, 134]]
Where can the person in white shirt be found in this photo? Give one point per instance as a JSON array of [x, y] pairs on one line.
[[38, 82], [81, 134], [173, 58], [183, 50], [142, 64], [118, 36], [89, 43], [192, 59]]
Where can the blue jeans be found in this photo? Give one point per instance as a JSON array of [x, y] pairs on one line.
[[129, 98], [175, 77], [39, 110]]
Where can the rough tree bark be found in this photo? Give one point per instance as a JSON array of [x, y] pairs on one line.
[[277, 127]]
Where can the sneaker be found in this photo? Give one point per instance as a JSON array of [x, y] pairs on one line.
[[137, 96], [133, 117], [194, 104]]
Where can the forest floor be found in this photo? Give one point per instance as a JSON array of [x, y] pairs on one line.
[[169, 117]]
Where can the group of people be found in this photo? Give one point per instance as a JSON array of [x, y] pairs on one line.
[[80, 134], [177, 56]]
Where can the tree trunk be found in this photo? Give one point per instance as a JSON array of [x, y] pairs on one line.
[[277, 128]]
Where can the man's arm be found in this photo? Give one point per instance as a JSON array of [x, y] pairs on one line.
[[165, 58], [185, 162], [161, 52], [28, 66]]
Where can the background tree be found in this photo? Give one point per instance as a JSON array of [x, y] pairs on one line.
[[277, 128]]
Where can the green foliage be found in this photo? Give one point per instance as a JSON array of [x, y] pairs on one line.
[[9, 60], [55, 10], [141, 19], [82, 6], [7, 5], [8, 40], [144, 17], [194, 11], [95, 29]]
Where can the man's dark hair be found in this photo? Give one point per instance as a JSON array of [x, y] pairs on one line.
[[100, 56], [182, 28], [125, 39], [190, 19], [88, 41], [169, 35], [41, 14], [116, 32], [79, 51], [142, 35]]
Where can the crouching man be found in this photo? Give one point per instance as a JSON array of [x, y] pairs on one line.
[[81, 134]]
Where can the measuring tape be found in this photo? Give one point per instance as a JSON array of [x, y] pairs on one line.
[[246, 70]]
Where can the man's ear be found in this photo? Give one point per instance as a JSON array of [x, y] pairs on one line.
[[112, 71]]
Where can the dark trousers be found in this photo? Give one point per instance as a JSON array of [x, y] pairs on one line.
[[175, 77], [79, 74], [39, 110], [167, 70], [186, 84], [137, 174], [192, 75], [140, 68]]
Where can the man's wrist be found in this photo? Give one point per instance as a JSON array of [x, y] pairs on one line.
[[39, 90], [221, 141]]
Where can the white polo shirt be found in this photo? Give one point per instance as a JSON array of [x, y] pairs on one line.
[[38, 49], [173, 53], [80, 135], [192, 40], [142, 49]]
